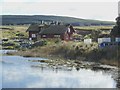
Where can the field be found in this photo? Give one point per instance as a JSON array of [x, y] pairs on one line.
[[94, 27], [70, 50], [12, 31]]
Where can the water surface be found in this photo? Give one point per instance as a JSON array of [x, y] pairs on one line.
[[18, 72]]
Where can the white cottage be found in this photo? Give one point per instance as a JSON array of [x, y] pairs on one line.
[[101, 40], [117, 39], [87, 41]]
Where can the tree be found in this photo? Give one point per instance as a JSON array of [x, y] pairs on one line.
[[116, 29], [95, 34]]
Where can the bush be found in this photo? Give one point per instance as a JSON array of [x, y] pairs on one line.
[[8, 44], [57, 40], [9, 47], [39, 43]]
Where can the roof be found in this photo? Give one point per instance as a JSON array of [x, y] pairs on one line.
[[34, 27], [54, 29], [104, 35]]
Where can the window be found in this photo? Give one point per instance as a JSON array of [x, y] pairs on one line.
[[68, 30], [44, 35], [56, 36]]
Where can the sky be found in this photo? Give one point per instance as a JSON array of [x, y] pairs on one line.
[[94, 9]]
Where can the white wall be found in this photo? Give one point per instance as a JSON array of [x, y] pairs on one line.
[[87, 41], [117, 39], [101, 40]]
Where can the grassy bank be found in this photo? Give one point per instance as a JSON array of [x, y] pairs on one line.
[[66, 50], [75, 51]]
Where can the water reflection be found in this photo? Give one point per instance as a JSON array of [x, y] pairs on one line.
[[20, 73], [0, 70], [0, 74], [37, 78]]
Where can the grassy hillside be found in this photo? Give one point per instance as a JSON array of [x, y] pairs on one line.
[[25, 19]]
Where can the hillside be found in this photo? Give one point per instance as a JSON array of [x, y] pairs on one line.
[[27, 19]]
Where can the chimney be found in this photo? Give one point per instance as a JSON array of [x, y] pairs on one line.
[[55, 22], [42, 22], [59, 23]]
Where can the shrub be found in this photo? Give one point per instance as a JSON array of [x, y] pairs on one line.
[[8, 44]]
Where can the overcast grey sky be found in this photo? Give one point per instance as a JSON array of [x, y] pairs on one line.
[[87, 10]]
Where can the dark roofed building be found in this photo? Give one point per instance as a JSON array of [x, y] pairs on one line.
[[33, 30], [54, 29], [58, 31], [63, 32]]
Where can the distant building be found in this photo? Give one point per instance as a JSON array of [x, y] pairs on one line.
[[117, 39], [101, 40], [83, 31], [33, 30], [87, 41], [63, 32]]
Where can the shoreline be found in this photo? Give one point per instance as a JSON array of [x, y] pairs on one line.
[[56, 63], [42, 55]]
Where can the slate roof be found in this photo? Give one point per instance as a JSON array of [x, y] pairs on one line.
[[33, 27], [54, 29]]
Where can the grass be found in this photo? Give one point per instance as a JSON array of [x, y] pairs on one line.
[[75, 51], [67, 50], [109, 55], [12, 31], [93, 27]]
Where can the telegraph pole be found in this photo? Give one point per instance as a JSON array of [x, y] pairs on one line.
[[119, 8]]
